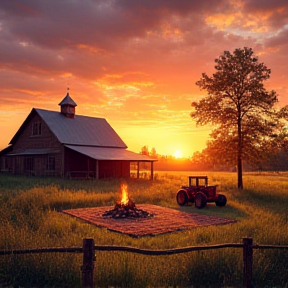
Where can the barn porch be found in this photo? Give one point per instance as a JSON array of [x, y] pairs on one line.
[[98, 162]]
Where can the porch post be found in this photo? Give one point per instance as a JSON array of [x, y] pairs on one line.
[[88, 168], [97, 170], [138, 169], [152, 170]]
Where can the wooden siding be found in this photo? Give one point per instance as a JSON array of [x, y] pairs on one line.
[[44, 140], [28, 141], [114, 169], [78, 165], [6, 164], [36, 165]]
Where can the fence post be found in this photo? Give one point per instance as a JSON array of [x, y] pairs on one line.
[[248, 261], [88, 262]]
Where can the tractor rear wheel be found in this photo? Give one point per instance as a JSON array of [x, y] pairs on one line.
[[221, 200], [182, 198], [200, 200]]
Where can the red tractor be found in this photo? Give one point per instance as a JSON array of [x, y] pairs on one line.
[[200, 193]]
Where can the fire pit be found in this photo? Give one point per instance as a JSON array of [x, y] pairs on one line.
[[126, 208]]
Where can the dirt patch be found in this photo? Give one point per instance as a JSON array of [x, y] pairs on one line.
[[164, 220]]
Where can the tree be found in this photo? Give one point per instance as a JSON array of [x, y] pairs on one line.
[[238, 106], [144, 150], [153, 153]]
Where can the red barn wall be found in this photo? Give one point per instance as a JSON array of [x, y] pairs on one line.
[[76, 162], [113, 169]]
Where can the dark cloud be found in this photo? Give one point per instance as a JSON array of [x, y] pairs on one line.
[[278, 41], [264, 5], [159, 7], [65, 24], [58, 24], [275, 12]]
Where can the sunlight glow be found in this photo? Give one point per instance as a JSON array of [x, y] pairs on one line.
[[177, 154]]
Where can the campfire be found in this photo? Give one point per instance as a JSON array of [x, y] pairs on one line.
[[126, 208]]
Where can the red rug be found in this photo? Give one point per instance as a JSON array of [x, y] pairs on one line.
[[164, 220]]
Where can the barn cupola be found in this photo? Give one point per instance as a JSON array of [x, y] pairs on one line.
[[68, 106]]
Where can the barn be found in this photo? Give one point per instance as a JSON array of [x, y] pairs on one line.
[[63, 144]]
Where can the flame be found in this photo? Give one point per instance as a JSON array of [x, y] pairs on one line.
[[124, 195]]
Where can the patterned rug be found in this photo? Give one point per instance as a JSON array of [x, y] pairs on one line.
[[164, 220]]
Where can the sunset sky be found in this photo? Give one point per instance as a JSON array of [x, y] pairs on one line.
[[133, 62]]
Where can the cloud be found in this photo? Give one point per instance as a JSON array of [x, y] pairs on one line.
[[270, 14], [99, 24]]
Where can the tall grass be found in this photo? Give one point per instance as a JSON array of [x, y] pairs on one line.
[[30, 218]]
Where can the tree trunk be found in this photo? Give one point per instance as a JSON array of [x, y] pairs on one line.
[[239, 155], [239, 171]]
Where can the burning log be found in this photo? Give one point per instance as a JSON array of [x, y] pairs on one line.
[[126, 208]]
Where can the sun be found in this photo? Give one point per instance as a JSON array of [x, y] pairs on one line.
[[177, 154]]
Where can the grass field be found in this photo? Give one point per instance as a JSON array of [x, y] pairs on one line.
[[29, 218]]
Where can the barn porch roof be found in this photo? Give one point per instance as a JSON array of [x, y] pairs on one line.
[[100, 153]]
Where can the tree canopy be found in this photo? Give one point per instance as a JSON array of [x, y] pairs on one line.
[[239, 107]]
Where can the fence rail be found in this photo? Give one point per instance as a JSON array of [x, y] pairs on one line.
[[88, 249]]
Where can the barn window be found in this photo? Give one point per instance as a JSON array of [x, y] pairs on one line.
[[37, 128], [29, 164], [51, 163]]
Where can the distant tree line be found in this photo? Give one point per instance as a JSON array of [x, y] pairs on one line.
[[275, 159]]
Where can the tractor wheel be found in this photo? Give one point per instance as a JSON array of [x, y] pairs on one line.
[[182, 198], [221, 200], [200, 200]]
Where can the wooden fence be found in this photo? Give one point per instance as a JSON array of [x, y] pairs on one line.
[[88, 249]]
